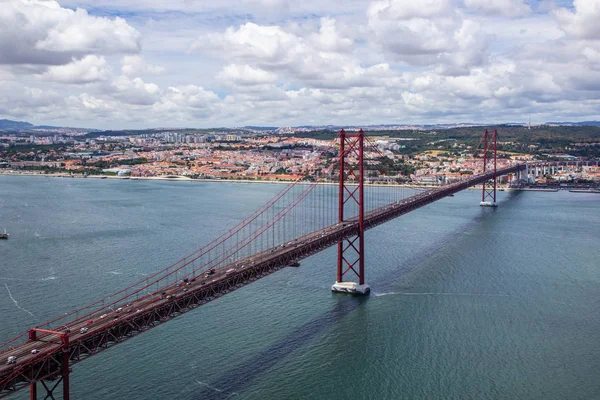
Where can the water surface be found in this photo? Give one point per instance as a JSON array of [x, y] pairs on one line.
[[467, 302]]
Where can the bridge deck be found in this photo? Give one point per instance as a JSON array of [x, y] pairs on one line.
[[105, 330]]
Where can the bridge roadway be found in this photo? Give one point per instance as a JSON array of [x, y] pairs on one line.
[[107, 329]]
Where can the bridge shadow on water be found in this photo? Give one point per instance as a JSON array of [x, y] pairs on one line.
[[388, 281], [240, 377]]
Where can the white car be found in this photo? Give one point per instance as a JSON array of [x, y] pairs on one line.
[[83, 330], [11, 360], [35, 351]]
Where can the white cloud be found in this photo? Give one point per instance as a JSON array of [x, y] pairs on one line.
[[264, 9], [19, 100], [90, 102], [328, 38], [434, 34], [591, 54], [413, 99], [284, 62], [190, 96], [269, 45], [321, 59], [507, 8], [135, 91], [245, 75], [583, 22], [394, 10], [42, 32], [135, 65], [87, 70], [78, 32]]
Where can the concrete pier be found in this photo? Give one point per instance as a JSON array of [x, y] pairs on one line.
[[350, 287], [488, 204]]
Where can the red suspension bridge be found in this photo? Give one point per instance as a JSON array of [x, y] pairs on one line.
[[301, 220]]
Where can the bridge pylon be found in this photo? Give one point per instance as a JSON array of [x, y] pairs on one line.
[[51, 382], [351, 251], [488, 188]]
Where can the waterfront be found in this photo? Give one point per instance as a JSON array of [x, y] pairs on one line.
[[467, 303]]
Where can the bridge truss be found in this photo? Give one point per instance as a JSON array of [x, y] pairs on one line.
[[490, 160]]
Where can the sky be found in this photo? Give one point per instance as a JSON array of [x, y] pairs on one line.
[[117, 64]]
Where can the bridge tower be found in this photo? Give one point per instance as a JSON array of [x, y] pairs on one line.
[[51, 382], [351, 251], [488, 189]]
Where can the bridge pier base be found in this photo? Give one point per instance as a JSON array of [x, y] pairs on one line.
[[488, 204], [350, 287]]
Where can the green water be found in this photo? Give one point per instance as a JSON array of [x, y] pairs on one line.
[[467, 302]]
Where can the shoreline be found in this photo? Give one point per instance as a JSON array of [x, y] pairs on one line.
[[180, 178]]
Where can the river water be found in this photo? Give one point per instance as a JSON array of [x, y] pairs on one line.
[[467, 302]]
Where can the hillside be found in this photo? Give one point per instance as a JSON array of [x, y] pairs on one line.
[[8, 124]]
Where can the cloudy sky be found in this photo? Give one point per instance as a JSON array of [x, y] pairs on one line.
[[207, 63]]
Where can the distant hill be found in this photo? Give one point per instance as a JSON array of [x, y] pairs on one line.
[[261, 128], [589, 123], [25, 128], [7, 124], [48, 127], [582, 123], [10, 125]]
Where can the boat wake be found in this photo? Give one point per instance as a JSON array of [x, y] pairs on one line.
[[17, 304], [48, 278], [517, 297], [215, 389], [441, 294]]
